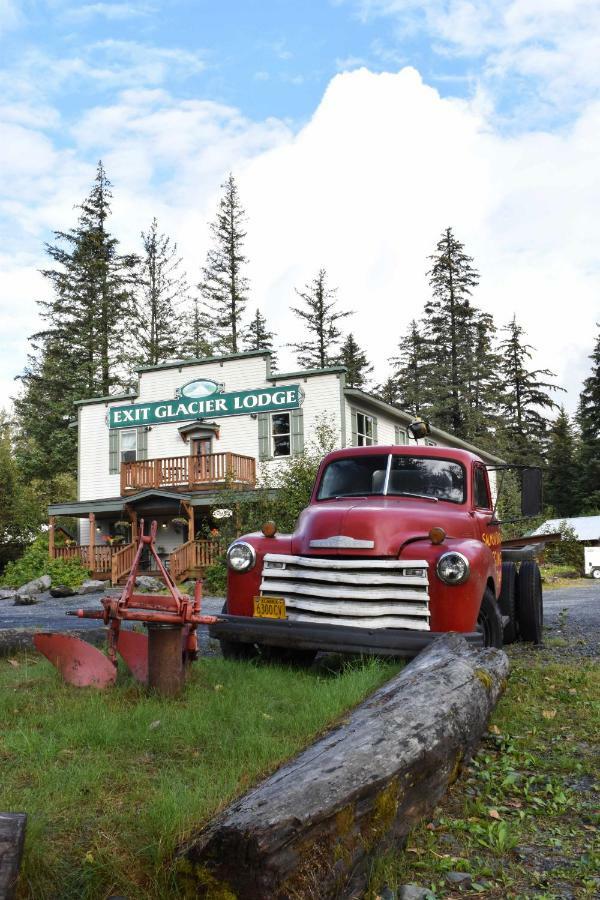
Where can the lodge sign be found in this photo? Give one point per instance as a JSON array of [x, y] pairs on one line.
[[196, 400]]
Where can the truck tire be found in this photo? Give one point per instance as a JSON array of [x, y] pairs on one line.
[[489, 621], [530, 605], [507, 601], [237, 649], [595, 573]]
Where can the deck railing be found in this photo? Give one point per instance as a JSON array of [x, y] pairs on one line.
[[192, 556], [190, 472], [102, 556], [122, 562]]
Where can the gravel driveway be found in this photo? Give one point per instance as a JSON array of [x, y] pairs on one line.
[[571, 615]]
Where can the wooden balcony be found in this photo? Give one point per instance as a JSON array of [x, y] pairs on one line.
[[189, 473], [101, 556]]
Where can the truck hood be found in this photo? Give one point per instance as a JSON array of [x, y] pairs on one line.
[[368, 527]]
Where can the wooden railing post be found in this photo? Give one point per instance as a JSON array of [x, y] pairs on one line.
[[92, 544], [51, 527]]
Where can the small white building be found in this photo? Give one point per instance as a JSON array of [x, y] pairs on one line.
[[194, 427]]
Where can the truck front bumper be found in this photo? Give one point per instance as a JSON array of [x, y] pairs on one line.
[[337, 638]]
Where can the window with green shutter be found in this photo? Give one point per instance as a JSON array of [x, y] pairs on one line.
[[400, 435], [263, 435], [113, 453], [142, 443], [297, 432]]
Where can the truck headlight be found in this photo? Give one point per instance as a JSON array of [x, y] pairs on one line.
[[453, 568], [241, 556]]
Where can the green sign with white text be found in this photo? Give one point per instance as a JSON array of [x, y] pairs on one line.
[[201, 398]]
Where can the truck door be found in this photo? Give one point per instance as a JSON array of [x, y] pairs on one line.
[[483, 509]]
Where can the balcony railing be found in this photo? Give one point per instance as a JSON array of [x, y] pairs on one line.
[[189, 472], [102, 556]]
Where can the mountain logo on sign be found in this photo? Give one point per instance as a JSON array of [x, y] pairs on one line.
[[199, 389]]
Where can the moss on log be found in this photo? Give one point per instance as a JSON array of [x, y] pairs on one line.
[[310, 830]]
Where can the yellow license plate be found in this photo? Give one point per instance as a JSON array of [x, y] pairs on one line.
[[269, 607]]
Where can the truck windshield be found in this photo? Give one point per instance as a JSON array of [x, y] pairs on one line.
[[409, 476]]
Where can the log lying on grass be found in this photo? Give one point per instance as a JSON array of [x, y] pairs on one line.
[[310, 829], [12, 838]]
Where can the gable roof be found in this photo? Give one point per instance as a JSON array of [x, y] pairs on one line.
[[587, 528]]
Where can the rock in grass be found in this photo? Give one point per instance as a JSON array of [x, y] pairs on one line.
[[62, 590], [148, 583], [414, 892], [36, 585], [460, 879], [91, 587], [7, 594]]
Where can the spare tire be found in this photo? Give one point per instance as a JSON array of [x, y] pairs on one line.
[[507, 601], [530, 604]]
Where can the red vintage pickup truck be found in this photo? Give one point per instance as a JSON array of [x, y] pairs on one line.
[[397, 545]]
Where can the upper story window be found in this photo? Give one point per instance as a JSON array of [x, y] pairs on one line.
[[128, 445], [281, 434], [400, 435], [481, 495], [365, 430]]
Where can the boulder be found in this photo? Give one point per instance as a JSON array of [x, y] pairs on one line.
[[92, 587], [36, 586], [415, 892], [22, 599], [148, 583], [7, 593], [62, 590]]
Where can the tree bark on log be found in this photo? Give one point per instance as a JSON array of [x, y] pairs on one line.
[[12, 839], [309, 831]]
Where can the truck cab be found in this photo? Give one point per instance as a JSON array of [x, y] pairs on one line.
[[397, 545]]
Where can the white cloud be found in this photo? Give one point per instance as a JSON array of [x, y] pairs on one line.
[[556, 43], [113, 12], [365, 189], [10, 16]]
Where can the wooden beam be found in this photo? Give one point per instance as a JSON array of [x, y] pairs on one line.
[[92, 542], [51, 535], [189, 510], [133, 518], [356, 791], [12, 838]]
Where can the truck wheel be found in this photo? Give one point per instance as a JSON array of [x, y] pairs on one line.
[[530, 607], [595, 573], [507, 601], [237, 649], [489, 621]]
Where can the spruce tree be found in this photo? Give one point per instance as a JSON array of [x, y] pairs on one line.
[[388, 391], [483, 388], [358, 367], [449, 323], [258, 337], [85, 348], [196, 333], [224, 287], [588, 416], [413, 372], [319, 348], [561, 473], [161, 289], [525, 399]]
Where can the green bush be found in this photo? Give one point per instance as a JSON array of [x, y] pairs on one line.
[[567, 552], [34, 563], [215, 577]]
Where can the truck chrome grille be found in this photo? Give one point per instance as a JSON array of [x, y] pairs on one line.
[[364, 593]]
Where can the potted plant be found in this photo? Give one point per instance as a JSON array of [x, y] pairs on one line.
[[179, 523], [122, 527]]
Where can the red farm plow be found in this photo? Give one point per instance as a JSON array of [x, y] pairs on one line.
[[157, 659]]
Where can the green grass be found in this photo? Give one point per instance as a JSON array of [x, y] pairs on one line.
[[113, 780], [523, 818]]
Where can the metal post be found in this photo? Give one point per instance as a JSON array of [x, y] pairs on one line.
[[165, 662]]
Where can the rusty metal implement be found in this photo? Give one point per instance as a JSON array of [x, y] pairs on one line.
[[157, 659]]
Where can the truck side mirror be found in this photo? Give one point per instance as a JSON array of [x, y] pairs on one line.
[[531, 491]]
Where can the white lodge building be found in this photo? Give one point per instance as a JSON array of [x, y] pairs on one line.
[[192, 428]]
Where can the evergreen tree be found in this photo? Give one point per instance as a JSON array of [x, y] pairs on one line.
[[588, 416], [449, 319], [224, 287], [319, 316], [561, 473], [388, 391], [413, 372], [162, 287], [483, 389], [526, 397], [85, 348], [258, 337], [358, 367], [196, 332]]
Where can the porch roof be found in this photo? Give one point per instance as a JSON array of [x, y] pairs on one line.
[[107, 507]]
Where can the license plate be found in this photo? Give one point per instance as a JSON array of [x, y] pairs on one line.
[[269, 607]]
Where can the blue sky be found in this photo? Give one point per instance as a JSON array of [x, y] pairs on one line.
[[358, 130]]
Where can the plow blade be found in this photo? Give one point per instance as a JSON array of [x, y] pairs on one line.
[[77, 661], [133, 648]]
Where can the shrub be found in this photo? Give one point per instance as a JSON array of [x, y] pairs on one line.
[[215, 577], [35, 562], [568, 551]]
